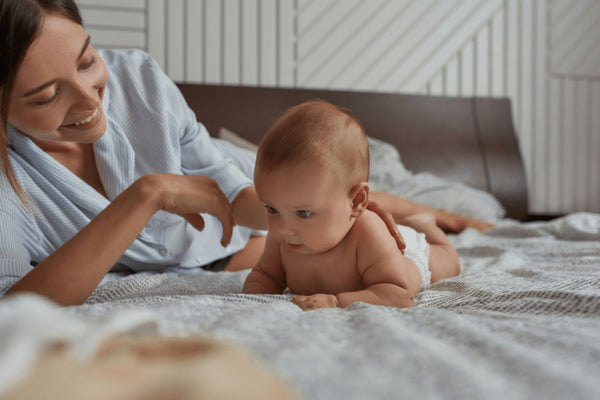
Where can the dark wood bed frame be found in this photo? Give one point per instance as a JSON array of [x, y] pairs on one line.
[[469, 140]]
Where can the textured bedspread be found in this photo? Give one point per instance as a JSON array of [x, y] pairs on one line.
[[522, 321]]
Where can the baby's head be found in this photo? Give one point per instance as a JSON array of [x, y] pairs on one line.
[[311, 173], [317, 132]]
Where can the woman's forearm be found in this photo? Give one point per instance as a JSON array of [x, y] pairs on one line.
[[401, 208], [70, 274], [248, 209]]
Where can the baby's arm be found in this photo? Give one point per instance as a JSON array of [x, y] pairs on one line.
[[268, 275], [390, 278]]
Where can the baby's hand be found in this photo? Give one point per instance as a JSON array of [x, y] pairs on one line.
[[315, 301]]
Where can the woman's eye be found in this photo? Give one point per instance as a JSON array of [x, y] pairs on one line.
[[303, 213], [89, 64], [50, 99], [271, 210]]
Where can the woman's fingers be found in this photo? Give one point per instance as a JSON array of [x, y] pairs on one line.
[[195, 220], [189, 195]]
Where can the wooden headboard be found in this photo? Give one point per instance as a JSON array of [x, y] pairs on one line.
[[469, 140]]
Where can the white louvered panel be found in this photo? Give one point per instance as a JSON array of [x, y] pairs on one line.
[[572, 23], [175, 40], [553, 140], [526, 82], [497, 46], [579, 136], [250, 43], [113, 4], [213, 41], [286, 63], [436, 85], [268, 42], [458, 27], [594, 148], [399, 60], [482, 61], [581, 141], [109, 38], [467, 70], [114, 19], [512, 28], [325, 39], [231, 42], [369, 39], [451, 74], [312, 12], [194, 41], [538, 154], [373, 47], [156, 32], [568, 136]]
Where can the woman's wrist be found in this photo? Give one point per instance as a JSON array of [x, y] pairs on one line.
[[147, 190]]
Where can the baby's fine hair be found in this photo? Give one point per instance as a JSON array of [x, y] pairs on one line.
[[317, 131]]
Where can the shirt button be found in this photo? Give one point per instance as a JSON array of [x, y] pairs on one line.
[[163, 252]]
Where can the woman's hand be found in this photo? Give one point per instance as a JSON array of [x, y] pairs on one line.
[[389, 222], [188, 196]]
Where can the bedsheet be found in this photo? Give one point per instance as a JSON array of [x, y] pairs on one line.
[[521, 321]]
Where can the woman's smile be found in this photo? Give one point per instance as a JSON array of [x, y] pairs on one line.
[[86, 122]]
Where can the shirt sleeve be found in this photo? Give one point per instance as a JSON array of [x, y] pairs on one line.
[[199, 156], [15, 259]]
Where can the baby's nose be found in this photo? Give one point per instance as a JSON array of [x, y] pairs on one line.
[[286, 231]]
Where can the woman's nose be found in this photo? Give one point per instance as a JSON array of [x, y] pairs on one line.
[[87, 95], [87, 98]]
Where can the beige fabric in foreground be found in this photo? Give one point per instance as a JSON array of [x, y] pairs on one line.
[[130, 368]]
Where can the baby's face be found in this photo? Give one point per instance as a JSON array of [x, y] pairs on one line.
[[307, 210]]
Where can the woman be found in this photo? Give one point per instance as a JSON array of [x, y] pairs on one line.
[[105, 166]]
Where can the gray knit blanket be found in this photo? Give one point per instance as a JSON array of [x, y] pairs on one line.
[[521, 321]]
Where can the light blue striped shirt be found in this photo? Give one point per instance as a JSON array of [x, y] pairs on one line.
[[150, 129]]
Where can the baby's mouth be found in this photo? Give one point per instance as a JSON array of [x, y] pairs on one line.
[[86, 120]]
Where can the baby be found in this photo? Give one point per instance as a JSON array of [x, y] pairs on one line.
[[323, 244]]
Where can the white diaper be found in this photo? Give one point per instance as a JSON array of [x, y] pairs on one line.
[[417, 249]]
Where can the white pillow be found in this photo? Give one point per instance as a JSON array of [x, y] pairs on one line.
[[236, 139], [388, 174]]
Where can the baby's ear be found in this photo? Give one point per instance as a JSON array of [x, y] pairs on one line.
[[359, 195]]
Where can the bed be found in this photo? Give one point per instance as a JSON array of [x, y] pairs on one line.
[[521, 321]]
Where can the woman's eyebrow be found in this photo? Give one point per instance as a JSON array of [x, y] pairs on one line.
[[43, 86], [84, 48]]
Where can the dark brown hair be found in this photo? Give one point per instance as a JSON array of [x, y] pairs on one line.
[[317, 131], [20, 23]]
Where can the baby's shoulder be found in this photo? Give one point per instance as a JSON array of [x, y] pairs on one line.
[[369, 229]]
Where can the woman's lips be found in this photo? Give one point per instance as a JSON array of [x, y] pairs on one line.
[[86, 120]]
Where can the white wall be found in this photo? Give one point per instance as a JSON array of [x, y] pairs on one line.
[[543, 54]]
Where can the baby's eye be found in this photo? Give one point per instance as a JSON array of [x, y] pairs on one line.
[[303, 213], [271, 210]]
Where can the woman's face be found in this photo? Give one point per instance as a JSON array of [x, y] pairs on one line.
[[58, 90]]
